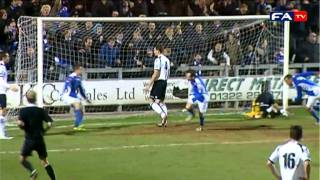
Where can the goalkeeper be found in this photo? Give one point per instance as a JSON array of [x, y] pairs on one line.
[[264, 105], [198, 94], [72, 87]]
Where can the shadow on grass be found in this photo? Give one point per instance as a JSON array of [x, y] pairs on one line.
[[70, 131]]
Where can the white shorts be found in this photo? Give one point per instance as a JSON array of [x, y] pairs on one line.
[[203, 106], [70, 100], [312, 100]]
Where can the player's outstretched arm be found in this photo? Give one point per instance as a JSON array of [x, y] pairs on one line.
[[273, 170], [299, 95]]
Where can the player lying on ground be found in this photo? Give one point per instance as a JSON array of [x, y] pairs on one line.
[[302, 84], [264, 105], [158, 82], [72, 88], [198, 95], [294, 158], [31, 120], [4, 87]]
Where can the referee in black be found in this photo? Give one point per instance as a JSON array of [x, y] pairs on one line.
[[31, 120]]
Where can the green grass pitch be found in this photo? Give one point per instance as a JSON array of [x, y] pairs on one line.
[[132, 148]]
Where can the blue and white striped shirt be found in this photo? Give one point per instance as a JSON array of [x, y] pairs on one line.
[[302, 84], [197, 88]]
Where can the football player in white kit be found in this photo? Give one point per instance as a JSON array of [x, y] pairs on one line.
[[198, 94], [293, 157], [4, 87], [158, 82]]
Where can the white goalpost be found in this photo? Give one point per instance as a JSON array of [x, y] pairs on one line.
[[118, 52]]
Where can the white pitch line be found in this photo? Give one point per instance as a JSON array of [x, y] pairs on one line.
[[125, 147]]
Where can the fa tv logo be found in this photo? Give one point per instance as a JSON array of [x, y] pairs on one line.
[[295, 16]]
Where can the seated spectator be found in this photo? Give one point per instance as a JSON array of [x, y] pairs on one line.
[[88, 30], [140, 7], [110, 54], [134, 50], [198, 7], [45, 10], [233, 49], [142, 26], [217, 56], [197, 62], [115, 13], [148, 60], [180, 48], [68, 40], [279, 56], [211, 11], [120, 44], [261, 7], [199, 38], [32, 8], [86, 54], [263, 52], [3, 24], [102, 8], [176, 8], [74, 28], [11, 32], [78, 10], [15, 9], [308, 50], [249, 57], [119, 40], [151, 35], [125, 10], [168, 39], [227, 7], [243, 10], [98, 36]]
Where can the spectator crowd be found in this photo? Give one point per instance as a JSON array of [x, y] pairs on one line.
[[99, 45]]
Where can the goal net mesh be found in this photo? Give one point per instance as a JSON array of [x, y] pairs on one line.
[[124, 50]]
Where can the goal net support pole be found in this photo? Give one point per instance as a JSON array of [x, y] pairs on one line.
[[285, 92], [39, 86]]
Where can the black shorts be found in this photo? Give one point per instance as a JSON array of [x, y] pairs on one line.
[[3, 101], [34, 145], [158, 90]]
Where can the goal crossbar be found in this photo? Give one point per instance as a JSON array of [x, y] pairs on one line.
[[155, 19]]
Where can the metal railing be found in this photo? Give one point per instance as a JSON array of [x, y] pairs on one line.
[[237, 70]]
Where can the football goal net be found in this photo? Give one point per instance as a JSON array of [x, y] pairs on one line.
[[234, 54]]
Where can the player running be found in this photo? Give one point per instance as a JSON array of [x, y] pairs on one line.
[[72, 87], [31, 120], [198, 94], [302, 84], [158, 82], [294, 158], [4, 87]]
